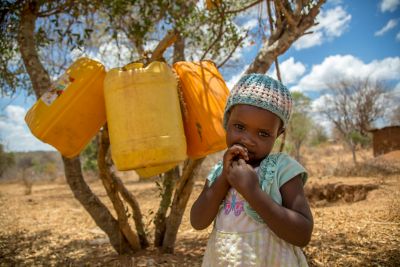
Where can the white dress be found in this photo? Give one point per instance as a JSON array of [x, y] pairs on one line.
[[239, 240]]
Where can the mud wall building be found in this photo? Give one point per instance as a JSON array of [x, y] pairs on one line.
[[385, 139]]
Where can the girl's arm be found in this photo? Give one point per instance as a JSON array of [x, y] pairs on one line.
[[206, 207], [292, 221]]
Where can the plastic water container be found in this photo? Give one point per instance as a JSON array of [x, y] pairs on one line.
[[72, 111], [144, 118], [205, 94]]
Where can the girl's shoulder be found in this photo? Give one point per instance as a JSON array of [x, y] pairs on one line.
[[281, 167]]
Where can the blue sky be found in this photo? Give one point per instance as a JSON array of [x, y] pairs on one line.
[[353, 38]]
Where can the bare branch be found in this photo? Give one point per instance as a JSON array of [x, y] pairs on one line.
[[219, 35], [315, 9], [288, 14], [243, 8], [166, 42], [299, 7], [233, 50], [57, 10]]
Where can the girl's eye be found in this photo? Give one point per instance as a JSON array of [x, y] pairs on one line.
[[238, 126], [263, 134]]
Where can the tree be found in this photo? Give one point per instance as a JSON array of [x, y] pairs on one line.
[[45, 165], [207, 34], [25, 164], [354, 105], [395, 117], [89, 157], [289, 21], [7, 160], [26, 15], [318, 135], [22, 40], [300, 124]]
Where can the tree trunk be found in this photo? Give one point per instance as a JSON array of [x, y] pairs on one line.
[[137, 214], [166, 195], [26, 40], [97, 210], [72, 167], [113, 181], [182, 193], [353, 152], [112, 192], [179, 49]]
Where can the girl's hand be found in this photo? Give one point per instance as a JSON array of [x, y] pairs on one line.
[[234, 153], [243, 178]]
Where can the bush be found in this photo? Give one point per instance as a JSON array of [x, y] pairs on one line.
[[373, 167]]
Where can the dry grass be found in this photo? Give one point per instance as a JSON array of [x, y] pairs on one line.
[[50, 228]]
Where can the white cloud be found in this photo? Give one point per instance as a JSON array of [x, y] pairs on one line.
[[397, 88], [309, 40], [389, 5], [390, 25], [331, 24], [14, 132], [348, 66], [334, 21], [398, 37], [290, 71]]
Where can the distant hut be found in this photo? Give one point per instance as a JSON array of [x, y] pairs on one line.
[[385, 140]]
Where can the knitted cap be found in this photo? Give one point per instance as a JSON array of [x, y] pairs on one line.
[[261, 91]]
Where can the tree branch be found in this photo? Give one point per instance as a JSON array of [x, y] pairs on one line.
[[243, 8], [221, 26], [137, 214], [288, 15], [57, 10], [112, 192], [166, 42], [233, 50]]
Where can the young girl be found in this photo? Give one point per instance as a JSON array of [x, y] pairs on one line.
[[256, 199]]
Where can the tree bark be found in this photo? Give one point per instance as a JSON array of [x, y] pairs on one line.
[[179, 49], [26, 40], [137, 214], [97, 210], [183, 190], [116, 182], [166, 195], [112, 192], [72, 167]]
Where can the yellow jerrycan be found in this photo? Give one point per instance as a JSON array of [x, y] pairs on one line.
[[205, 94], [73, 110], [144, 118]]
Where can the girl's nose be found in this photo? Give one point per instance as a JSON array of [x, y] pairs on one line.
[[247, 140]]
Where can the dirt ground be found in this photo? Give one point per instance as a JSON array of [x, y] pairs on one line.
[[357, 223]]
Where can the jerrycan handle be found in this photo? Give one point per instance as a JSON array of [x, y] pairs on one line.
[[157, 66], [132, 65]]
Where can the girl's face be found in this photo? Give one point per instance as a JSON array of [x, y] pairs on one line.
[[254, 128]]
